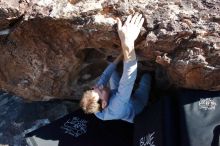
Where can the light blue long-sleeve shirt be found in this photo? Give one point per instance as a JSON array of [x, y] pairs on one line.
[[120, 105]]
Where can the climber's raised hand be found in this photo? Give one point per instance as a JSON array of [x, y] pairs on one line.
[[128, 33]]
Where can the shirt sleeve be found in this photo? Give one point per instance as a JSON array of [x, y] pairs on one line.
[[103, 80], [119, 107], [127, 81]]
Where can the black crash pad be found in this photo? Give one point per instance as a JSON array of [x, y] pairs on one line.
[[199, 117], [79, 129], [156, 125], [187, 118]]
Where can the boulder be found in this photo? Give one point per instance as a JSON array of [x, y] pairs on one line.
[[57, 49]]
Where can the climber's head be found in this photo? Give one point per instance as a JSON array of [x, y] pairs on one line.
[[95, 100]]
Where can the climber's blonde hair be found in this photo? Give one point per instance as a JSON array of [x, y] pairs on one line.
[[90, 102]]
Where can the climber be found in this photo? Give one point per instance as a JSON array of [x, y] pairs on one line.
[[116, 101]]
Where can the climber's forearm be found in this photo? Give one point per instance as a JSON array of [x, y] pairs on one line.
[[128, 51]]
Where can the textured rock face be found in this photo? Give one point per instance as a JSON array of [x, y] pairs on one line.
[[56, 49]]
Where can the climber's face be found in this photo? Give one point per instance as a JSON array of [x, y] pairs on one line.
[[103, 93]]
